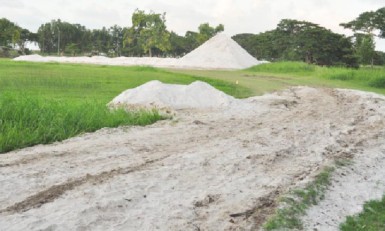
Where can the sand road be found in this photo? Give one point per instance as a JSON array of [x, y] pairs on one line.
[[202, 170]]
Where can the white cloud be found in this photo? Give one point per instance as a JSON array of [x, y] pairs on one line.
[[246, 16]]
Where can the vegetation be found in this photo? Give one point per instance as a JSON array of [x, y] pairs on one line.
[[364, 78], [298, 201], [295, 40], [148, 36], [47, 102], [29, 120], [280, 75], [367, 26], [370, 219], [148, 32], [13, 35]]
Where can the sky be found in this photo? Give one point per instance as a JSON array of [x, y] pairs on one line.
[[238, 16]]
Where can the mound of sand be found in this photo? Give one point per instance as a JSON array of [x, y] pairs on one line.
[[197, 95], [220, 52]]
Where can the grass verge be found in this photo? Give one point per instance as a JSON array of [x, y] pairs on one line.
[[298, 201], [30, 120], [372, 218]]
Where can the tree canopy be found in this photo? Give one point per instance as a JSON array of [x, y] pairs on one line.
[[366, 26], [370, 22], [12, 35], [148, 32], [148, 36], [300, 41]]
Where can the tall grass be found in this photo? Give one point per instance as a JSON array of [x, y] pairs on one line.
[[30, 120], [45, 102], [364, 77], [298, 68]]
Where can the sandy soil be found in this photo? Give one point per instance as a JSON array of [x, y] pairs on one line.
[[203, 170]]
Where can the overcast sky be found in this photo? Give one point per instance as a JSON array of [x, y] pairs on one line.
[[238, 16]]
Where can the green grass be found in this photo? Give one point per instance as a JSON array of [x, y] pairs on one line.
[[45, 102], [270, 77], [297, 73], [298, 201], [298, 68], [372, 218], [76, 81], [30, 120]]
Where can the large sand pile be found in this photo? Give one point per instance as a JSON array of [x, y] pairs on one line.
[[197, 95], [203, 170], [220, 52]]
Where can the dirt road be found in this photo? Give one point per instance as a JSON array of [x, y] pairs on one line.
[[202, 170]]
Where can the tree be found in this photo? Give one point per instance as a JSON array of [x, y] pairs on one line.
[[8, 32], [365, 48], [116, 33], [206, 32], [24, 36], [179, 45], [149, 32], [11, 35], [371, 22], [300, 41], [72, 49], [367, 26]]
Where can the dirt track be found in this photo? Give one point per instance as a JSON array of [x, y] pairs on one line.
[[203, 170]]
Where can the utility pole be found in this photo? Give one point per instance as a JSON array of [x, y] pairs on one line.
[[58, 42]]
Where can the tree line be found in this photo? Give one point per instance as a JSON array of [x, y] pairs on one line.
[[148, 36], [305, 41]]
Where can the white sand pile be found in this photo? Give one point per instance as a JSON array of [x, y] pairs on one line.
[[197, 95], [101, 60], [220, 52]]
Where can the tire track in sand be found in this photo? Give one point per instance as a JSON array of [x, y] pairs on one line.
[[52, 193]]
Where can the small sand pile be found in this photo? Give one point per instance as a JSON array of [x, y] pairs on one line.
[[197, 95], [220, 52]]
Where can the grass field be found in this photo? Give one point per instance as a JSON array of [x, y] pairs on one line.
[[275, 76], [45, 102]]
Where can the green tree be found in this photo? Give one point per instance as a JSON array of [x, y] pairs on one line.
[[24, 36], [72, 49], [148, 32], [206, 31], [55, 36], [300, 41], [179, 46], [365, 48], [117, 34], [11, 35], [9, 32], [366, 26]]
